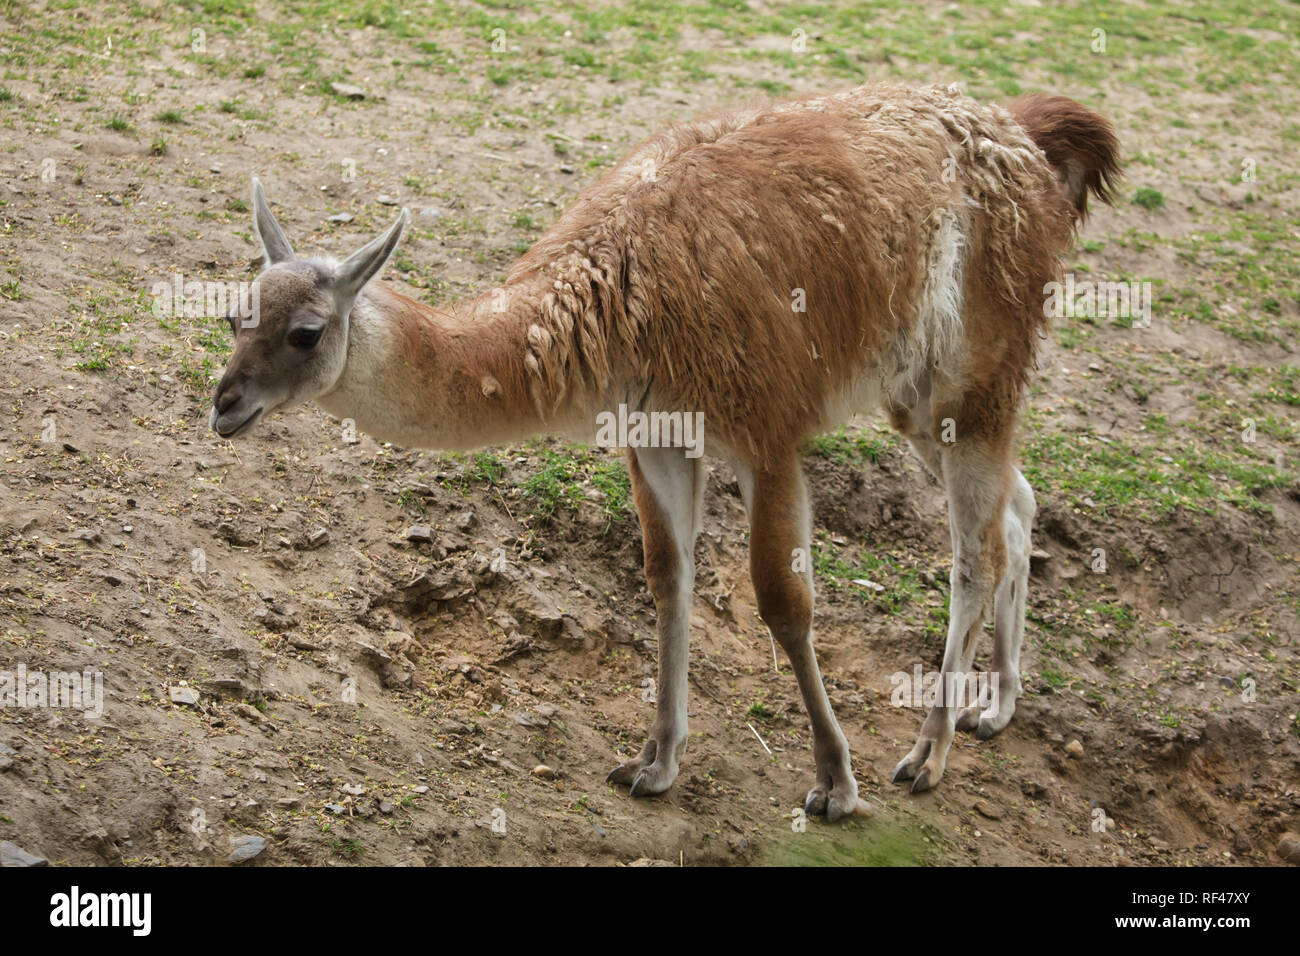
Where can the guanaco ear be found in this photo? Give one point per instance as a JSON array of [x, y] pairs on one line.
[[275, 245], [363, 265]]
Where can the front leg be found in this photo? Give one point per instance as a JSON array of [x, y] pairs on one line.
[[667, 487]]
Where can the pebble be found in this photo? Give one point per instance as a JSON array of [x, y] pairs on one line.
[[988, 810], [186, 696], [348, 91], [1074, 749], [545, 772], [318, 539], [1033, 789], [1288, 848], [13, 855], [420, 534], [245, 848], [340, 217], [387, 200]]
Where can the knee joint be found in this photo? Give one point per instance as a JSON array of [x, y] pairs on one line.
[[785, 604]]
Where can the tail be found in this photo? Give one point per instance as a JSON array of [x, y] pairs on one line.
[[1079, 143]]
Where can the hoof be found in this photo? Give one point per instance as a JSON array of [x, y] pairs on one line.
[[814, 805]]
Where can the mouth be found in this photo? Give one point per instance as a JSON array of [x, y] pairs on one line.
[[239, 429]]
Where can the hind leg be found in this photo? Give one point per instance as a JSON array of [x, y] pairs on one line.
[[777, 502]]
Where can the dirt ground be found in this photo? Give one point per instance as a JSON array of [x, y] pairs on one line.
[[359, 697]]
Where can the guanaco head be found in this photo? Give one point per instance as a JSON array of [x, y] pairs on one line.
[[291, 345]]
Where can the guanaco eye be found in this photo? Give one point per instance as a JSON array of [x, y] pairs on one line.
[[305, 338]]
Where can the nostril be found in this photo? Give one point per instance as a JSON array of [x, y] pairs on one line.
[[227, 400]]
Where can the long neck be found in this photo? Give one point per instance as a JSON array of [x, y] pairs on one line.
[[423, 378]]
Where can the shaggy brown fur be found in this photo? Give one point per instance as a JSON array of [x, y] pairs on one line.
[[677, 271]]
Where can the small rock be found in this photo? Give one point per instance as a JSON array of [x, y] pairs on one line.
[[387, 200], [245, 848], [568, 170], [437, 587], [86, 534], [69, 447], [647, 861], [186, 696], [251, 713], [1074, 749], [340, 217], [348, 91], [274, 620], [419, 534], [1033, 789], [5, 762], [988, 810], [871, 585], [432, 212], [545, 772], [234, 535], [13, 855], [466, 520], [1288, 848], [318, 539]]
